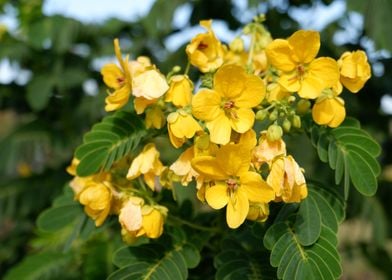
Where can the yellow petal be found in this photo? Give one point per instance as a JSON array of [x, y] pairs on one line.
[[220, 129], [112, 75], [256, 188], [252, 94], [216, 196], [244, 120], [323, 112], [209, 167], [305, 45], [141, 103], [230, 81], [290, 82], [276, 176], [117, 99], [233, 159], [237, 209], [153, 224], [206, 105], [180, 91], [339, 114], [280, 54], [150, 84]]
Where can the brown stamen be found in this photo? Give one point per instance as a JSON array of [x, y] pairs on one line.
[[228, 105], [202, 46]]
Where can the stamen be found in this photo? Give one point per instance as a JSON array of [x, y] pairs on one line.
[[202, 46], [228, 105]]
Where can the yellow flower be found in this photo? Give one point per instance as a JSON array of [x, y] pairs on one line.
[[205, 51], [354, 70], [258, 212], [266, 151], [150, 84], [141, 103], [119, 79], [130, 216], [155, 117], [229, 104], [232, 184], [96, 198], [181, 126], [180, 91], [182, 166], [153, 220], [148, 164], [300, 71], [287, 180], [329, 109]]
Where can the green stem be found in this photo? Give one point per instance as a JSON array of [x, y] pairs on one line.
[[188, 66], [177, 221]]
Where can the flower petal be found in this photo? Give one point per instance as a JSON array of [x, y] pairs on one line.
[[279, 54], [209, 167], [233, 159], [323, 112], [290, 81], [339, 114], [112, 75], [216, 196], [305, 44], [230, 81], [206, 105], [220, 129], [256, 188], [244, 120], [237, 209], [252, 94]]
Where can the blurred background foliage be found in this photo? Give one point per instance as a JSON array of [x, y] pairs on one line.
[[56, 93]]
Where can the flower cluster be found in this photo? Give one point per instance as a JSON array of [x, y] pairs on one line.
[[229, 128]]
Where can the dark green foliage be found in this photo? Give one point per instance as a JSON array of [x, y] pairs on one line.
[[109, 141], [351, 152]]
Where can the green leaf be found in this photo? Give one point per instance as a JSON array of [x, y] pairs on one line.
[[56, 218], [361, 174], [109, 141], [41, 266], [351, 152], [154, 261], [39, 91], [295, 261], [308, 222]]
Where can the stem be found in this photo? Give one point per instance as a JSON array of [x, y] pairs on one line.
[[177, 220], [188, 66], [251, 50]]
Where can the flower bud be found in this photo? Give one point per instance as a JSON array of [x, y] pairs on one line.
[[296, 121], [237, 45], [286, 125], [303, 106], [274, 132], [274, 115], [261, 115]]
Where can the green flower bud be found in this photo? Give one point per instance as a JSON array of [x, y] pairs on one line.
[[303, 106], [261, 115], [286, 125], [274, 115], [274, 132], [296, 121]]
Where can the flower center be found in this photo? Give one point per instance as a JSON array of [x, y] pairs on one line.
[[301, 71], [232, 184], [202, 46], [228, 105], [120, 80]]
